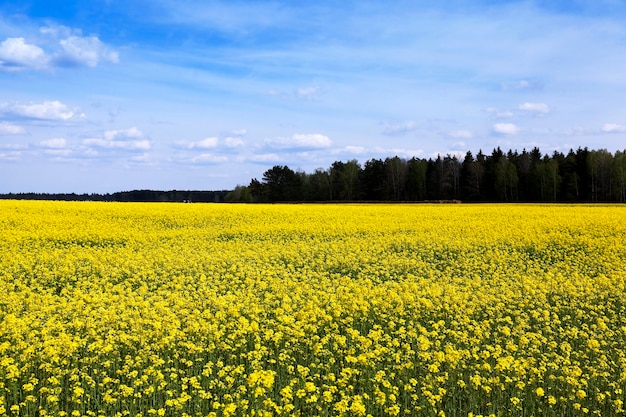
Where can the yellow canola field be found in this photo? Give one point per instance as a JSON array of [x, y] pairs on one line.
[[113, 309]]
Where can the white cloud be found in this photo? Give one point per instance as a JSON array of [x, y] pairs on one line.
[[16, 54], [314, 140], [613, 128], [48, 110], [117, 144], [311, 140], [128, 139], [212, 142], [131, 133], [505, 129], [65, 47], [87, 51], [7, 128], [206, 143], [232, 142], [355, 149], [55, 143], [539, 109]]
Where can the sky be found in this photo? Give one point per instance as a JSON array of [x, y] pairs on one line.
[[102, 96]]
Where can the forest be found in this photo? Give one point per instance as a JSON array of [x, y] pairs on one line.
[[582, 175]]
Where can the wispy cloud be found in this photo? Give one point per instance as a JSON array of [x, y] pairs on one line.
[[55, 143], [234, 18], [84, 51], [213, 142], [306, 93], [233, 142], [208, 158], [399, 128], [353, 150], [309, 92], [13, 146], [505, 129], [537, 109], [300, 141], [131, 139], [205, 143], [10, 155], [7, 128], [47, 110], [499, 113], [613, 128]]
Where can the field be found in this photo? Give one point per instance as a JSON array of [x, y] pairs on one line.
[[111, 309]]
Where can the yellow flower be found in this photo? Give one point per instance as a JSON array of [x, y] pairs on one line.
[[284, 309], [357, 407]]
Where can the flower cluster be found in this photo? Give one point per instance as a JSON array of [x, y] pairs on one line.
[[130, 309]]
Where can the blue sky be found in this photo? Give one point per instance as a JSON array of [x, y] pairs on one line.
[[105, 95]]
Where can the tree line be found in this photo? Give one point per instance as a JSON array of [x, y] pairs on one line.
[[127, 196], [529, 176]]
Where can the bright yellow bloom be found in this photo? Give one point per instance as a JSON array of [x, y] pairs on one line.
[[170, 309]]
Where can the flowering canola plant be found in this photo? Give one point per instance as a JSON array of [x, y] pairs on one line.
[[124, 309]]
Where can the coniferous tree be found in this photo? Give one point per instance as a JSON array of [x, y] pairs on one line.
[[619, 172], [373, 180], [416, 179]]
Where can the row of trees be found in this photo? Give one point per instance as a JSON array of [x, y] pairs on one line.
[[579, 176], [127, 196]]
